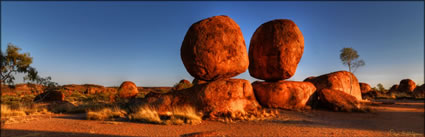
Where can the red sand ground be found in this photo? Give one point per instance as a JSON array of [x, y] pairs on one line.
[[404, 118]]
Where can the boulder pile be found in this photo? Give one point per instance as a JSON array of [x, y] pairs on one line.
[[275, 50], [213, 51]]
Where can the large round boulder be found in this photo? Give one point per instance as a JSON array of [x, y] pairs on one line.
[[212, 98], [339, 81], [214, 48], [364, 87], [407, 85], [283, 94], [127, 90], [275, 50]]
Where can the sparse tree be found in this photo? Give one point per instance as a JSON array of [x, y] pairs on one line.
[[380, 88], [13, 62], [349, 57]]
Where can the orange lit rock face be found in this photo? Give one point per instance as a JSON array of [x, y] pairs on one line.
[[338, 100], [213, 98], [364, 87], [127, 90], [214, 48], [283, 94], [275, 50], [341, 81], [407, 85]]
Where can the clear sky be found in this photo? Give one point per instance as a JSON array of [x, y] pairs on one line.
[[110, 42]]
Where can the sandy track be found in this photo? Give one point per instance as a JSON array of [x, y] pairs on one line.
[[404, 118]]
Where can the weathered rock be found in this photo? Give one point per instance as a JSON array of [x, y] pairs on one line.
[[275, 50], [50, 96], [419, 91], [309, 78], [364, 87], [283, 94], [182, 85], [340, 80], [407, 85], [393, 88], [338, 100], [127, 90], [198, 81], [213, 98], [214, 48]]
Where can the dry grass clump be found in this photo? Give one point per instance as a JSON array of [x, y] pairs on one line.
[[177, 116], [11, 114], [260, 114], [146, 114], [105, 113]]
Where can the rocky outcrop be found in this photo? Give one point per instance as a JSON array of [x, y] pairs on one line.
[[50, 96], [127, 90], [338, 100], [214, 48], [364, 88], [275, 50], [338, 81], [283, 94], [406, 85], [182, 85]]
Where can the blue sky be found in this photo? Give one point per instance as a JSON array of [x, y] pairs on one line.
[[110, 42]]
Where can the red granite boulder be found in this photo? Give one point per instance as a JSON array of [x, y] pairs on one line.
[[275, 50], [364, 87], [407, 85], [212, 98], [339, 81], [214, 48], [283, 94], [127, 90], [338, 100]]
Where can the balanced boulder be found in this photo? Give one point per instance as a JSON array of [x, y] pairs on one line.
[[407, 85], [214, 48], [275, 50], [338, 100], [127, 90], [339, 81], [283, 94], [364, 87]]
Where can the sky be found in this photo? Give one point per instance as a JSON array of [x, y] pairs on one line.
[[107, 43]]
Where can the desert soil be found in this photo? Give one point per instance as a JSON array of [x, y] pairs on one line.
[[403, 118]]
